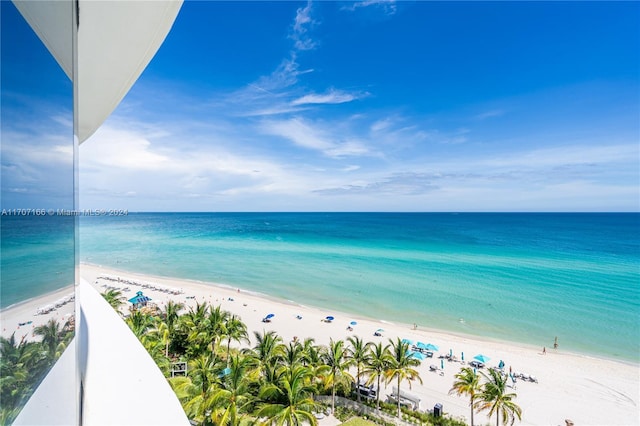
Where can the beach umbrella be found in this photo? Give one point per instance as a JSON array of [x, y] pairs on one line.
[[501, 364], [421, 345], [407, 341], [462, 356], [329, 318], [431, 347], [269, 316], [450, 352], [380, 330], [442, 364], [482, 358], [416, 355], [353, 323]]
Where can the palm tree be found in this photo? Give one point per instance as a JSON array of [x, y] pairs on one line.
[[379, 360], [114, 298], [466, 383], [290, 401], [235, 330], [335, 358], [192, 325], [171, 313], [268, 348], [22, 365], [401, 366], [293, 355], [233, 396], [52, 335], [359, 353], [140, 323], [216, 323], [495, 399]]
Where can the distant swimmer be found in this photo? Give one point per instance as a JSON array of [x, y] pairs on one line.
[[461, 320]]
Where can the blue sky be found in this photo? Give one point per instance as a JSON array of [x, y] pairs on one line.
[[379, 106]]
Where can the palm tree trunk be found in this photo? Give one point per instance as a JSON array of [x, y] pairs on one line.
[[471, 411], [378, 395], [398, 396], [358, 383], [333, 398]]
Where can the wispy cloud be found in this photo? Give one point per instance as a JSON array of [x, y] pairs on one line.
[[316, 137], [300, 31], [407, 183], [388, 6], [333, 96], [489, 114]]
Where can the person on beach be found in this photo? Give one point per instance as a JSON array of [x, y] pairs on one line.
[[544, 350]]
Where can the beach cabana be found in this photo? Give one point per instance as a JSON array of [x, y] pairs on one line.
[[139, 300]]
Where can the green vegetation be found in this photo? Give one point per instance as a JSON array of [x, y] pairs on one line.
[[23, 364], [494, 397], [358, 421], [490, 395], [272, 382], [467, 383]]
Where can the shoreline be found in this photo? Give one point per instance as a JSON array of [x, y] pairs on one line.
[[583, 388], [12, 316], [276, 299]]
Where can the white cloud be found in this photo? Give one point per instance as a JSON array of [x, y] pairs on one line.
[[331, 97], [301, 27], [333, 144], [106, 147], [300, 133], [388, 6]]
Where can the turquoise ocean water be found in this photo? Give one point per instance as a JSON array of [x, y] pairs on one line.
[[518, 277]]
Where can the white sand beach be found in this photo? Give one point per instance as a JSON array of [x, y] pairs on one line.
[[586, 389], [23, 318]]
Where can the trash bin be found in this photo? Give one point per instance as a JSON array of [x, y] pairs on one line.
[[437, 410]]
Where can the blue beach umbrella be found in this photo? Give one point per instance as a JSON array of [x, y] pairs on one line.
[[421, 345], [416, 355], [463, 356], [269, 316], [380, 330], [501, 364], [442, 364], [329, 318], [353, 323], [407, 341], [431, 347], [482, 358]]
